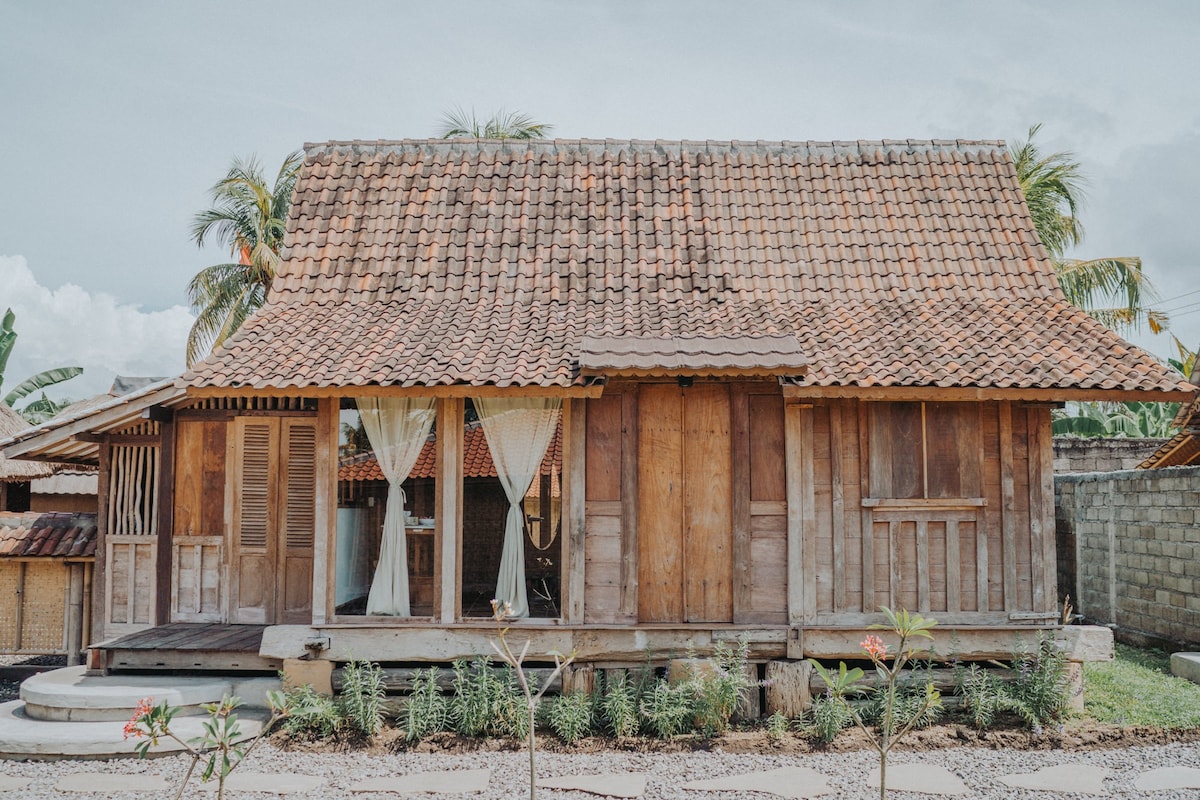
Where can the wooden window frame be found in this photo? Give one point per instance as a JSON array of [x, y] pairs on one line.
[[964, 500]]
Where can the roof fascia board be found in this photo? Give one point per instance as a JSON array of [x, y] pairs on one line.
[[593, 390], [29, 444], [899, 393]]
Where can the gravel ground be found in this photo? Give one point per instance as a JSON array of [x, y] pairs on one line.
[[666, 772], [9, 688]]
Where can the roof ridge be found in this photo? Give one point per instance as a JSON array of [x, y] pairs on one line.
[[834, 146]]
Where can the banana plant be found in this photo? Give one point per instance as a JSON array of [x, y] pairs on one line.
[[42, 408]]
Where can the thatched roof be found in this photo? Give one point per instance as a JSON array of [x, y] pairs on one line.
[[11, 470]]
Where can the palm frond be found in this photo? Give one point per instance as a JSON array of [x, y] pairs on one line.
[[8, 338], [40, 381], [461, 124]]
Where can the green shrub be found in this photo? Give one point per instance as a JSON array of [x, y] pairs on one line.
[[487, 702], [716, 693], [312, 716], [777, 726], [910, 705], [1036, 692], [828, 717], [569, 716], [362, 696], [426, 711], [619, 705], [667, 709]]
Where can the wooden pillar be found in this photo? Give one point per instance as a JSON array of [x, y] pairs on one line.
[[629, 503], [574, 506], [801, 516], [166, 515], [75, 603], [100, 570], [19, 621], [325, 510], [448, 532], [739, 406]]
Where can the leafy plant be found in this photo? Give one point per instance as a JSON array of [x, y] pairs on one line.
[[427, 709], [619, 705], [314, 715], [1036, 692], [569, 716], [717, 692], [221, 748], [42, 408], [667, 709], [828, 717], [891, 726], [484, 703], [777, 726], [362, 696]]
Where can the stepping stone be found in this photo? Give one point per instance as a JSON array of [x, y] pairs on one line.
[[1077, 778], [266, 782], [10, 784], [609, 784], [111, 782], [918, 777], [458, 781], [1168, 778], [797, 783]]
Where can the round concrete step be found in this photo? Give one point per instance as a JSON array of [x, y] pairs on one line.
[[70, 695], [22, 737]]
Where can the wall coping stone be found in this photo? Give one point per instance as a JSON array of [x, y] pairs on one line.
[[1129, 474]]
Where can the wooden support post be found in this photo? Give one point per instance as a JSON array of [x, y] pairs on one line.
[[786, 690], [801, 514], [575, 506], [449, 504], [579, 679], [953, 567], [629, 504], [867, 517], [1036, 532], [1008, 507], [19, 622], [1041, 461], [740, 465], [164, 523], [100, 566], [324, 571], [839, 508], [75, 603]]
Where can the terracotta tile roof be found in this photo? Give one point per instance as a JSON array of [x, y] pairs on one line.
[[427, 263], [477, 459], [34, 534], [1182, 449], [648, 354]]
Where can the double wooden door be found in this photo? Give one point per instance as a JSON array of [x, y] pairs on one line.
[[271, 499], [685, 504], [243, 522]]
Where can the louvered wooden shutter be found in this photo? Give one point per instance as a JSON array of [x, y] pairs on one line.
[[299, 517], [254, 524]]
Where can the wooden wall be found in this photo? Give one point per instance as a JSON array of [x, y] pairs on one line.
[[749, 429], [937, 507]]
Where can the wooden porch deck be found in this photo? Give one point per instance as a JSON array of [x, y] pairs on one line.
[[186, 646]]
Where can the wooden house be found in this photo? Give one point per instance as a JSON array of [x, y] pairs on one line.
[[793, 382]]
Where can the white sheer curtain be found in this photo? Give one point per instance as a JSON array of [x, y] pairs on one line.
[[397, 428], [518, 431]]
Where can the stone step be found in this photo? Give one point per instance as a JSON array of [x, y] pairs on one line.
[[71, 695], [24, 738]]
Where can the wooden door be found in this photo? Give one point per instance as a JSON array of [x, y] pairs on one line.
[[198, 534], [685, 514], [271, 500]]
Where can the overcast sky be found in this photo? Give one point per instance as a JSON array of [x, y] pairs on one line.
[[118, 117]]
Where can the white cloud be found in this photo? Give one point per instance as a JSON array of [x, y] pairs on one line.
[[70, 326]]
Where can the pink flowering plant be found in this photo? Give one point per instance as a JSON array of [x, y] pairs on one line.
[[222, 747], [844, 683]]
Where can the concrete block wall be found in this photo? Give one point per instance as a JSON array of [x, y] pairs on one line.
[[1129, 550], [1101, 455]]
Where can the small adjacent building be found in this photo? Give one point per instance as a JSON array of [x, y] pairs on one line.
[[740, 390]]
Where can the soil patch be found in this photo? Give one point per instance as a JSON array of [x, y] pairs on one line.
[[1073, 737]]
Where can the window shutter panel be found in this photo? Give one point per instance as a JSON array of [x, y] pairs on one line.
[[300, 506], [253, 525]]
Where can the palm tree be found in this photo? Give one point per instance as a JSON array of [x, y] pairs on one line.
[[249, 218], [460, 124], [42, 408], [1115, 290]]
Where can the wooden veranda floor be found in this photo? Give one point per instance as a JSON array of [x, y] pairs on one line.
[[187, 646]]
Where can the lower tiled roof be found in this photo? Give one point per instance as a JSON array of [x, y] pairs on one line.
[[34, 534]]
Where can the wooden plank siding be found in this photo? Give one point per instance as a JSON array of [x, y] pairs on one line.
[[934, 498]]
